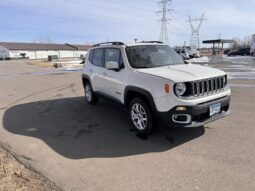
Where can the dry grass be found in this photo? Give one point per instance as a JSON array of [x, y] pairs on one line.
[[15, 176]]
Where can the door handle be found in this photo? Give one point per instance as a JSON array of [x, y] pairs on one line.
[[104, 74]]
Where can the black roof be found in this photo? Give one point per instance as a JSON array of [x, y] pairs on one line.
[[218, 41]]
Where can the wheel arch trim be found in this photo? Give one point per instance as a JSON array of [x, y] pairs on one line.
[[85, 77], [142, 92]]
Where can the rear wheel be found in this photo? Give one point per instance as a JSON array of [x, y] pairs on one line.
[[141, 116], [90, 96]]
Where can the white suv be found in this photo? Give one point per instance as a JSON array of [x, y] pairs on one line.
[[152, 81]]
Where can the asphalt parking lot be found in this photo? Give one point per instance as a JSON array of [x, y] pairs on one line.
[[46, 122]]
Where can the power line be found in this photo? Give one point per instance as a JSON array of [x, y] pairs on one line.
[[164, 20], [195, 39]]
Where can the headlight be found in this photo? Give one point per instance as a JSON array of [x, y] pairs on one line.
[[180, 89]]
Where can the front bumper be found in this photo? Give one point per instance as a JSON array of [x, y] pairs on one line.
[[198, 115]]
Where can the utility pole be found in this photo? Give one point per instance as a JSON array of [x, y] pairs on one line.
[[163, 4], [219, 35], [195, 39]]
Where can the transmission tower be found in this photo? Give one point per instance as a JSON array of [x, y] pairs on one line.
[[194, 39], [164, 20]]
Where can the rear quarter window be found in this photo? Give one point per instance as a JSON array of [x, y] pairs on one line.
[[91, 56]]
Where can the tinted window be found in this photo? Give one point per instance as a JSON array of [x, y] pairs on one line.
[[98, 57], [150, 56], [114, 55], [91, 55]]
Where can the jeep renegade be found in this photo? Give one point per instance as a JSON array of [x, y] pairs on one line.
[[154, 83]]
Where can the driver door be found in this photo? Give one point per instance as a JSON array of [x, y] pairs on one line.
[[114, 79]]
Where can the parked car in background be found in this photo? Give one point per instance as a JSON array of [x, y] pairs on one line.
[[226, 51], [195, 54], [239, 52], [183, 53]]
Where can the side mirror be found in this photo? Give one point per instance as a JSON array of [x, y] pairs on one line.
[[186, 61], [112, 65]]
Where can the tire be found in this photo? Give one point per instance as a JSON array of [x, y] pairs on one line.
[[90, 96], [141, 117]]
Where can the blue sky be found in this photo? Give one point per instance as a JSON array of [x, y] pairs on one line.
[[87, 21]]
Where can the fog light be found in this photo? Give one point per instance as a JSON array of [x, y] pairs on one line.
[[181, 109], [181, 118]]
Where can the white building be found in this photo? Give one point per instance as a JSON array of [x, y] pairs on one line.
[[11, 50]]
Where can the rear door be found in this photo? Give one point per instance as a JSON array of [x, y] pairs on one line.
[[97, 69]]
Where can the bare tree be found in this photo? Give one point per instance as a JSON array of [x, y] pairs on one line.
[[46, 40], [245, 42], [236, 43]]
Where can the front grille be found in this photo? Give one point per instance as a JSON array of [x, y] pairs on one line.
[[208, 86]]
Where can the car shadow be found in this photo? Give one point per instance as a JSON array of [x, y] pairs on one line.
[[77, 130]]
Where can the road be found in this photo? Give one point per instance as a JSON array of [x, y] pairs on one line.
[[45, 121]]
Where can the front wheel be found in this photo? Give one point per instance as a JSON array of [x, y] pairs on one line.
[[141, 116], [91, 98]]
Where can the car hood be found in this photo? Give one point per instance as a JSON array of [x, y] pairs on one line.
[[183, 72]]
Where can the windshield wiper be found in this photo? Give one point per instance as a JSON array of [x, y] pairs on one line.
[[143, 67]]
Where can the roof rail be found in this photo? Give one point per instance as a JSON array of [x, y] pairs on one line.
[[159, 42], [105, 43]]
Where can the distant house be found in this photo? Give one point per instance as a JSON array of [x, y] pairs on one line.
[[12, 50]]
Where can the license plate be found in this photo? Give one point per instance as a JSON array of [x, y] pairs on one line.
[[214, 109]]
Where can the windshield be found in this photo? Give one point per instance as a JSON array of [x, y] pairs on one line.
[[151, 56]]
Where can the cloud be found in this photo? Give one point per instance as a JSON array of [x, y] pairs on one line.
[[82, 20]]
